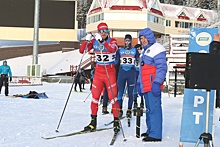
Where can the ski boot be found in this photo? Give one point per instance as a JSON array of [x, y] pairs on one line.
[[135, 105], [135, 108], [104, 111], [92, 126], [128, 113], [116, 124]]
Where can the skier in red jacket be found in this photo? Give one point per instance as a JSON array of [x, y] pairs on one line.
[[105, 49]]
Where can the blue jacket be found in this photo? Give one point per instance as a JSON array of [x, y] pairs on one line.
[[153, 66], [5, 69]]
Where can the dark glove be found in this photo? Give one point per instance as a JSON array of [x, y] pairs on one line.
[[138, 87], [156, 89], [10, 79]]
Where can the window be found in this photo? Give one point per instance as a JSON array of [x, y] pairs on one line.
[[168, 22], [182, 14], [102, 16], [177, 24], [155, 19]]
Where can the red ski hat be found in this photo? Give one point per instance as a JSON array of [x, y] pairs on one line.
[[102, 26]]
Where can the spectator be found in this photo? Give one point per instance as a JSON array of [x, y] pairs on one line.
[[77, 80], [5, 72], [153, 69], [214, 48], [83, 79]]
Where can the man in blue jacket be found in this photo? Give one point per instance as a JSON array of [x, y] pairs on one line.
[[153, 69], [5, 72]]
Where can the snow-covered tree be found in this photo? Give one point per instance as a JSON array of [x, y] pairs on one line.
[[204, 4], [82, 9]]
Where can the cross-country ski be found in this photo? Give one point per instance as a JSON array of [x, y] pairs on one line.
[[76, 133]]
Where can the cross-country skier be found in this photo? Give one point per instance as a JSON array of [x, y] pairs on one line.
[[105, 49], [104, 101], [137, 65], [153, 69], [127, 56]]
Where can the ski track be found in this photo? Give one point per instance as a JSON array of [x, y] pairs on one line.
[[24, 121]]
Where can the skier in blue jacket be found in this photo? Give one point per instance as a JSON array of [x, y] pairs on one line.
[[153, 69], [127, 55], [137, 66], [5, 72]]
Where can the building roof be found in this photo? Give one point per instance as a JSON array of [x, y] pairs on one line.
[[167, 10], [110, 3], [173, 11], [98, 5]]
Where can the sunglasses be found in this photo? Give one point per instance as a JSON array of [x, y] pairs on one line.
[[127, 40], [103, 31]]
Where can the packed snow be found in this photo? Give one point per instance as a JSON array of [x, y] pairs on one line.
[[24, 121], [51, 63]]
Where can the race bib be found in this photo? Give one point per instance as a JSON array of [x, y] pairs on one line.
[[127, 60], [105, 58]]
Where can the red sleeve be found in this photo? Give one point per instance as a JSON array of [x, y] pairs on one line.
[[84, 44], [112, 46]]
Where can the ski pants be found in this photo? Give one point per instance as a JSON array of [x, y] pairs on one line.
[[108, 79], [135, 87], [129, 78], [105, 98], [153, 115]]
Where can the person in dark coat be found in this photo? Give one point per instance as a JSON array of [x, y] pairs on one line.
[[83, 79], [214, 48], [77, 80]]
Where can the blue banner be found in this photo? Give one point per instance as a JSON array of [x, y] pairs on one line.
[[200, 38], [194, 114], [194, 104]]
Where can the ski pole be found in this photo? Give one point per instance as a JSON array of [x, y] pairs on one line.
[[139, 113], [113, 97], [85, 51], [87, 97]]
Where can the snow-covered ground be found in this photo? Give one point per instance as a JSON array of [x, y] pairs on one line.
[[52, 63], [24, 121]]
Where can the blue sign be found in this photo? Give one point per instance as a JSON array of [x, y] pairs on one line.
[[194, 114], [194, 104], [200, 38]]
